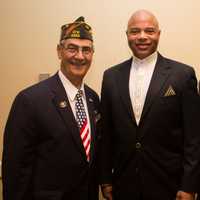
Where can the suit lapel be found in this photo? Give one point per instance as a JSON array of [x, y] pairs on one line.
[[158, 79], [91, 110], [63, 107], [123, 85]]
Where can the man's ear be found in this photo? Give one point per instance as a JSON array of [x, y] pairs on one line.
[[159, 32], [59, 51]]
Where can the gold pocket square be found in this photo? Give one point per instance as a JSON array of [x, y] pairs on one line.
[[170, 92]]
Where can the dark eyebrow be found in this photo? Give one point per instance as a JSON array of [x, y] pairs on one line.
[[74, 45], [71, 44]]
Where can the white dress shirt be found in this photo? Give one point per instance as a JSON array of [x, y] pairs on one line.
[[71, 92], [139, 81]]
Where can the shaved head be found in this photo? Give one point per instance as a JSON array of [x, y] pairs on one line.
[[143, 33], [143, 15]]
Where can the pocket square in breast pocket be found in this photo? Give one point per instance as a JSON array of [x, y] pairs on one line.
[[170, 92]]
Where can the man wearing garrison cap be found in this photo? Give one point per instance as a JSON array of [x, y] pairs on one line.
[[51, 138]]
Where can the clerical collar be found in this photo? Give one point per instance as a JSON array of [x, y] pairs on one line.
[[148, 59]]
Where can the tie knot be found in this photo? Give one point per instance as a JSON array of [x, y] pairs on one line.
[[79, 94]]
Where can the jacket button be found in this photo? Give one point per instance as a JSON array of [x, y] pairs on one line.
[[138, 145]]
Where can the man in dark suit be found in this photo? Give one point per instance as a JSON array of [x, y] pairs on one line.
[[150, 113], [51, 140]]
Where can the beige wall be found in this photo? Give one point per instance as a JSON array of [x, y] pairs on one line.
[[30, 30]]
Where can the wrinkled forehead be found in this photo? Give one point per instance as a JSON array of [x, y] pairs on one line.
[[78, 42]]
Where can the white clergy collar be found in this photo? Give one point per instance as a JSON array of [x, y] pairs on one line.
[[150, 59]]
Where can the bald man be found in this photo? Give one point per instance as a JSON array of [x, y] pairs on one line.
[[150, 133]]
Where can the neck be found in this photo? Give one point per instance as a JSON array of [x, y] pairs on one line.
[[77, 82]]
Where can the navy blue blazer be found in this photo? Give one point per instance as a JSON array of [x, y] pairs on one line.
[[161, 155], [43, 155]]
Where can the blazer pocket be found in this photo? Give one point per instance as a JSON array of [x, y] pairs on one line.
[[168, 98], [170, 103], [48, 195]]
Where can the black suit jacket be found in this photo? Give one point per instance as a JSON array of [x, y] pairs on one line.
[[159, 156], [43, 155]]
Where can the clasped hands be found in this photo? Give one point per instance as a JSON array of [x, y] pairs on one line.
[[181, 195]]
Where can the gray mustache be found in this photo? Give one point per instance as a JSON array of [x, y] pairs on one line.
[[78, 63]]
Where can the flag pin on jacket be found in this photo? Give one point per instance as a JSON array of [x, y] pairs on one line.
[[90, 100], [63, 104]]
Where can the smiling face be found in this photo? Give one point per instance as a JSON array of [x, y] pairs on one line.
[[76, 57], [143, 34]]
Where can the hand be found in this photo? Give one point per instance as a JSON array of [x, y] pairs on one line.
[[107, 191], [180, 195]]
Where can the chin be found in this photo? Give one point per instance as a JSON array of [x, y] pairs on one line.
[[79, 74], [143, 55]]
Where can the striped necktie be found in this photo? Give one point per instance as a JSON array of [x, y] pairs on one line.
[[83, 123]]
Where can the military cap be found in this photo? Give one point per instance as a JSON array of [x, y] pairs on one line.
[[78, 29]]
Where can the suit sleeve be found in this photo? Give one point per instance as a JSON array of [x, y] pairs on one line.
[[106, 131], [18, 150], [191, 113]]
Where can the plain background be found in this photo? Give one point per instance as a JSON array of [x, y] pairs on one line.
[[30, 31]]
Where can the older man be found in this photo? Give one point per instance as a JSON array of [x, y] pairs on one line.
[[50, 140], [150, 110]]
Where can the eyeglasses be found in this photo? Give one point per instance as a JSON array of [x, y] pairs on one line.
[[74, 49]]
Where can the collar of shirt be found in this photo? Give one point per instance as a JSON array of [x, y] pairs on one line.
[[70, 89], [148, 61]]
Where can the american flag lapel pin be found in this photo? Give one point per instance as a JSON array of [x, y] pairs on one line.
[[90, 100], [62, 104]]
